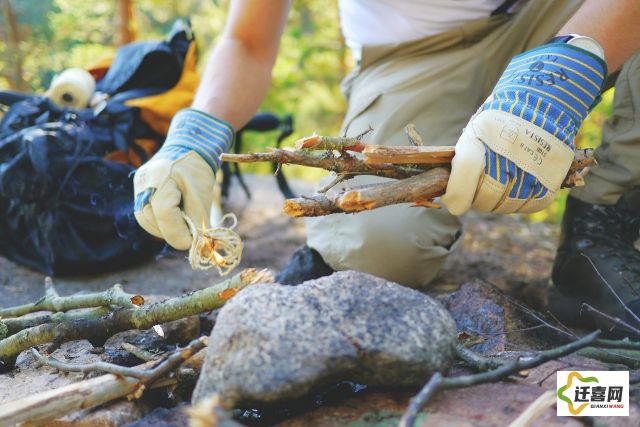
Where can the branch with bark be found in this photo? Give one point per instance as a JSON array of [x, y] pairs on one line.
[[53, 302], [98, 329], [97, 391], [422, 172], [438, 382], [419, 190], [342, 164]]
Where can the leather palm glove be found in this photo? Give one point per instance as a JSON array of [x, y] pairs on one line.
[[517, 149], [181, 177]]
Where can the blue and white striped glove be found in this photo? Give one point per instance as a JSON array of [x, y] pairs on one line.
[[181, 177], [517, 149]]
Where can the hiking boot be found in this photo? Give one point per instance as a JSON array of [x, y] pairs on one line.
[[598, 264], [305, 264]]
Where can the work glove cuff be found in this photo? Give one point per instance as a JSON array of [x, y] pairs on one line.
[[195, 130]]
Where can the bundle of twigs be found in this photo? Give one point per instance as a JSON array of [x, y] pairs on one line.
[[104, 314], [419, 173]]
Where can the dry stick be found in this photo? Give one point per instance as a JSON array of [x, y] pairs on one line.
[[335, 181], [631, 359], [412, 134], [96, 391], [98, 330], [418, 402], [110, 368], [15, 325], [53, 302], [145, 375], [409, 155], [417, 189], [343, 164], [477, 361], [615, 320], [138, 352], [539, 406], [403, 155], [615, 294], [338, 143]]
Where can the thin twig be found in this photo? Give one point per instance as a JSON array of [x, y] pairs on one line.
[[503, 371], [545, 401], [338, 143], [607, 355], [413, 135], [146, 376], [335, 181], [105, 367], [99, 329], [476, 361], [51, 404], [55, 303], [629, 358], [138, 352], [614, 320], [333, 163], [417, 402], [418, 188], [615, 294], [17, 324]]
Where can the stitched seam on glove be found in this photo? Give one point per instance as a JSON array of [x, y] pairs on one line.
[[569, 77], [515, 145], [193, 130]]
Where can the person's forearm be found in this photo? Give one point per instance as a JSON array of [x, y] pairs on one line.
[[238, 73], [613, 24], [234, 83]]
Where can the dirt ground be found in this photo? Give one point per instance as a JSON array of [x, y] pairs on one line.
[[507, 251], [269, 236]]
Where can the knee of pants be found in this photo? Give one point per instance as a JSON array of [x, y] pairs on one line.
[[403, 244]]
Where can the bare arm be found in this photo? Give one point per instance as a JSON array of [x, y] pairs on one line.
[[238, 73], [613, 24]]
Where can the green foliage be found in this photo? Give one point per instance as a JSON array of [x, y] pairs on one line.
[[58, 34]]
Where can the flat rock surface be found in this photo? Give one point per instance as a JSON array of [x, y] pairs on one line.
[[276, 342]]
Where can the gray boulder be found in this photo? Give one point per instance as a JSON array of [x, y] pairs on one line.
[[275, 342]]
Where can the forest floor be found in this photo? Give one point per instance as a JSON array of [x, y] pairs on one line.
[[507, 252]]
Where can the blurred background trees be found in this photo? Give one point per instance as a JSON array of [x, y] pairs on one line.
[[39, 38]]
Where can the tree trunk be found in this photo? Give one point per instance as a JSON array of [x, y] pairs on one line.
[[124, 20], [16, 82]]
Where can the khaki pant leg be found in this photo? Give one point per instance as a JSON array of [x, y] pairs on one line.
[[436, 83], [619, 155]]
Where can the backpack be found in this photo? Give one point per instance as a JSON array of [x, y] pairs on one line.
[[66, 187]]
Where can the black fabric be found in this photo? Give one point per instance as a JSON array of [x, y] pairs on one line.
[[141, 65], [64, 207]]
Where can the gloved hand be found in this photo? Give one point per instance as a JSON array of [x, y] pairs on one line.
[[517, 149], [181, 177]]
